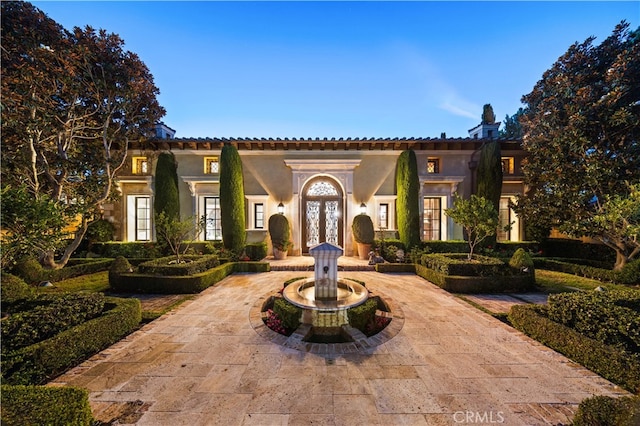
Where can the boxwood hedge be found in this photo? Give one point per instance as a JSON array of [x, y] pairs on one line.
[[43, 405], [38, 363], [194, 265], [620, 367], [603, 410]]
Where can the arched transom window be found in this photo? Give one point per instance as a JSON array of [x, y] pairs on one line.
[[322, 188]]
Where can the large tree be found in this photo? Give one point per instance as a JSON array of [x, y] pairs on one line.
[[407, 203], [581, 133], [512, 129], [71, 103]]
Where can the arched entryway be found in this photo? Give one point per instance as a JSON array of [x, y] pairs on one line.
[[322, 213]]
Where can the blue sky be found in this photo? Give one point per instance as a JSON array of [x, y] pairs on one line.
[[343, 69]]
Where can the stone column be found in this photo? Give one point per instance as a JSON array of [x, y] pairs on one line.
[[325, 257]]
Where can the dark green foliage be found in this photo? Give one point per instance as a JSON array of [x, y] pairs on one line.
[[490, 173], [457, 264], [76, 268], [630, 273], [30, 270], [603, 410], [99, 231], [167, 195], [521, 261], [361, 315], [45, 405], [280, 232], [256, 251], [14, 290], [478, 284], [395, 267], [195, 265], [362, 228], [450, 246], [119, 266], [137, 249], [488, 116], [51, 315], [288, 313], [512, 129], [407, 202], [232, 211], [561, 247], [612, 317], [617, 366], [38, 363]]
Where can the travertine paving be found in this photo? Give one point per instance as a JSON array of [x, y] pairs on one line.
[[204, 364]]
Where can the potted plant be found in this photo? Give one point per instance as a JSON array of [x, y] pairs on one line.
[[363, 233], [280, 232]]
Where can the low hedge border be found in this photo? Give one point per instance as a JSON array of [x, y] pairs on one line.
[[145, 283], [617, 366], [38, 363], [607, 410], [43, 405], [460, 284], [630, 274], [395, 267], [196, 265]]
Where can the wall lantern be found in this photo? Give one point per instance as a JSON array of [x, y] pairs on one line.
[[363, 208], [281, 208]]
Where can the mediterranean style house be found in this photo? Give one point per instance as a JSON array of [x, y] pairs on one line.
[[318, 184]]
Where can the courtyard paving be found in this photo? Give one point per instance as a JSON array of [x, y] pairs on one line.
[[209, 363]]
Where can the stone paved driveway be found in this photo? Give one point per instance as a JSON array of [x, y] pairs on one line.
[[204, 364]]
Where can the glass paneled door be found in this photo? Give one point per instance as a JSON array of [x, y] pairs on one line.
[[322, 213]]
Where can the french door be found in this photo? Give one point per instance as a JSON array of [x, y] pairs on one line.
[[322, 214]]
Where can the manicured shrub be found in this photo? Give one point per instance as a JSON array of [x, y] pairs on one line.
[[29, 269], [361, 315], [395, 267], [167, 197], [232, 211], [119, 266], [53, 315], [489, 178], [407, 202], [99, 231], [77, 268], [446, 246], [280, 232], [45, 405], [195, 265], [13, 290], [558, 247], [256, 251], [288, 313], [611, 363], [603, 410], [612, 317], [630, 273], [136, 249], [362, 228], [457, 264], [38, 363], [521, 261]]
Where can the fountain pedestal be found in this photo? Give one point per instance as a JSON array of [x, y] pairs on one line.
[[325, 258]]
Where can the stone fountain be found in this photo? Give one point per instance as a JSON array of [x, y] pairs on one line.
[[325, 298]]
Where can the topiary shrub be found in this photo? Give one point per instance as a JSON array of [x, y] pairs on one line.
[[256, 251], [629, 274], [29, 269], [167, 197], [280, 232], [362, 227], [232, 211], [99, 231], [13, 290], [119, 266], [45, 405], [194, 264], [288, 313], [521, 261], [407, 203], [361, 315]]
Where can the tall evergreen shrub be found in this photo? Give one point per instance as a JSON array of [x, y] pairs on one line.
[[232, 213], [407, 204], [490, 178], [167, 197]]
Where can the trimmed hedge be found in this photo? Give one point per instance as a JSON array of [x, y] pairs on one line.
[[52, 315], [560, 247], [43, 405], [457, 264], [361, 315], [618, 366], [395, 267], [611, 317], [630, 273], [145, 283], [136, 249], [256, 251], [462, 284], [196, 265], [13, 290], [40, 362], [288, 313], [608, 411]]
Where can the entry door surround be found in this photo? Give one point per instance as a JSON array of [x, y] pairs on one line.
[[338, 170]]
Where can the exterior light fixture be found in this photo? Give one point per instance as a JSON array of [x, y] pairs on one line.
[[281, 208], [363, 208]]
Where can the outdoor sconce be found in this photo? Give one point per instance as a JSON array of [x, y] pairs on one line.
[[281, 208], [363, 208]]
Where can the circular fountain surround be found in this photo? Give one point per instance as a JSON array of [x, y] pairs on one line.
[[302, 294]]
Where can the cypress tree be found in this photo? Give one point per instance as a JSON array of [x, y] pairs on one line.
[[167, 197], [490, 176], [407, 204], [232, 214]]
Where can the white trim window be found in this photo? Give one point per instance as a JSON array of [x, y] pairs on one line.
[[432, 218], [213, 227], [139, 218]]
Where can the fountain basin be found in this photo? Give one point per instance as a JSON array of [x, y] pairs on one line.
[[302, 294]]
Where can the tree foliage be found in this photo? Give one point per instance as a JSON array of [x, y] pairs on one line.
[[178, 234], [167, 194], [477, 216], [232, 213], [490, 176], [581, 133], [407, 203], [488, 116], [512, 129], [71, 102]]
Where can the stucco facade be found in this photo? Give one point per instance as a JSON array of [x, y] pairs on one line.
[[321, 183]]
